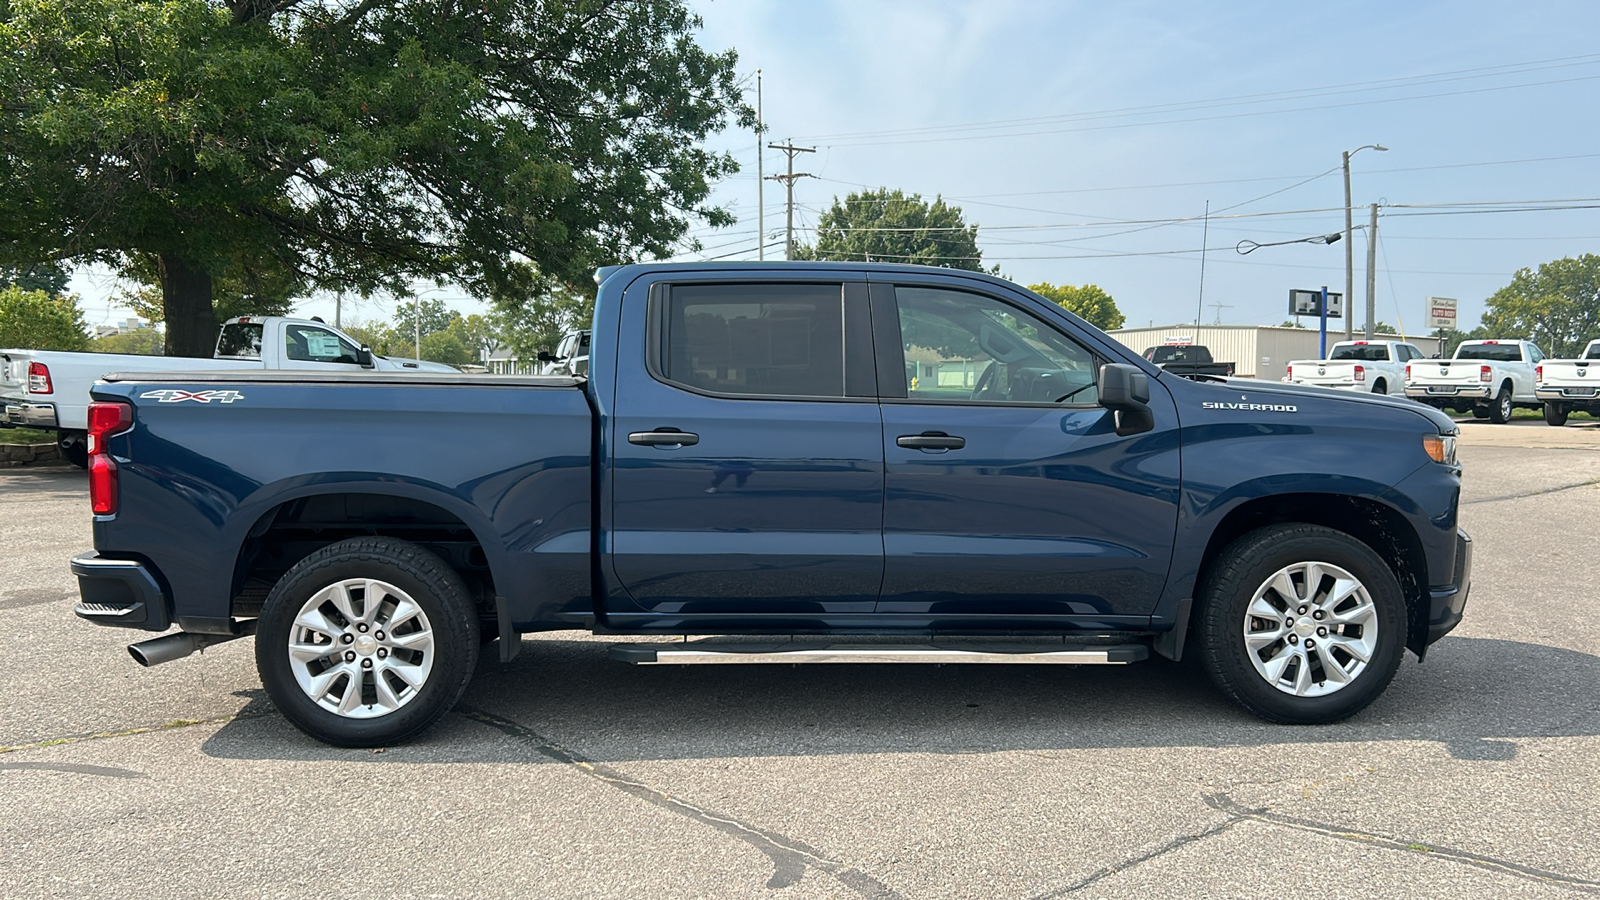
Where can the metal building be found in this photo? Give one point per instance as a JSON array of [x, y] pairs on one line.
[[1258, 351]]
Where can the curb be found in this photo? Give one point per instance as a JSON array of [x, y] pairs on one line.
[[13, 455]]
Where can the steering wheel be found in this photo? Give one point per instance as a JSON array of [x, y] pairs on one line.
[[984, 379]]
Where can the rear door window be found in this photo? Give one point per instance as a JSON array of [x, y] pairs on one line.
[[764, 340]]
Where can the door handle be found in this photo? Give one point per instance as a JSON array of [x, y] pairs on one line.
[[664, 437], [930, 440]]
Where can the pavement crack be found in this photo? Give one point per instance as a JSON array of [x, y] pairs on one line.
[[1222, 803], [1182, 840], [73, 768], [789, 857], [1536, 493], [127, 732]]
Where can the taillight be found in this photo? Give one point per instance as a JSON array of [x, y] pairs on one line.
[[1408, 371], [39, 379], [1484, 374], [1361, 373], [1538, 374], [105, 420]]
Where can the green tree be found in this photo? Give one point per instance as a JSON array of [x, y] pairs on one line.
[[34, 320], [50, 277], [1290, 323], [1557, 307], [358, 146], [479, 333], [539, 324], [434, 315], [445, 347], [1089, 303], [887, 226], [379, 337], [144, 342]]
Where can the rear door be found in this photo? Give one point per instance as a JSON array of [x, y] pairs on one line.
[[1008, 491], [747, 447]]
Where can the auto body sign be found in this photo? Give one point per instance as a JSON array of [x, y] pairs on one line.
[[1442, 312]]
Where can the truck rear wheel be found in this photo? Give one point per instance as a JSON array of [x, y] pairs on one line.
[[367, 642], [1500, 409], [1301, 624], [1555, 414], [1381, 387]]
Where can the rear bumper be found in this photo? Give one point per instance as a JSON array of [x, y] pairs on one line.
[[1586, 394], [1448, 391], [28, 414], [122, 593], [1447, 602]]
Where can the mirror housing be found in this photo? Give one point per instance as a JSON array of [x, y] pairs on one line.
[[1125, 390], [364, 357], [545, 356]]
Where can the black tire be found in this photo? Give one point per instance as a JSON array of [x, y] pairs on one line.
[[74, 448], [1500, 410], [447, 615], [1243, 570], [1555, 414], [1480, 412], [1380, 387]]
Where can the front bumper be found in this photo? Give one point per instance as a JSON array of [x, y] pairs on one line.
[[28, 414], [122, 593], [1447, 603]]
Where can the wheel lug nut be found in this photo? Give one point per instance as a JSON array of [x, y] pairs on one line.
[[1310, 644], [382, 653], [1318, 614], [378, 635], [348, 638], [349, 656], [1322, 632], [1289, 622], [366, 664], [362, 627], [1302, 610], [1293, 639]]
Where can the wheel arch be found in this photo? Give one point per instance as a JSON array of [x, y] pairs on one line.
[[1381, 527], [300, 521]]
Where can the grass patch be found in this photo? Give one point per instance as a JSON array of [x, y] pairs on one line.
[[26, 436]]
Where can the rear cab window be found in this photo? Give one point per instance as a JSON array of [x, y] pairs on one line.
[[240, 340]]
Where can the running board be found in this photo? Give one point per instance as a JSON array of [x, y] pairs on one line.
[[794, 653]]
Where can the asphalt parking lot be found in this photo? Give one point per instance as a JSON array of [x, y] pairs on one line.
[[565, 774]]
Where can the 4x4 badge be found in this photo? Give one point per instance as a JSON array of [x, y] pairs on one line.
[[175, 396]]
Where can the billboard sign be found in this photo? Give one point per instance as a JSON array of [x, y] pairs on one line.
[[1308, 303], [1442, 313]]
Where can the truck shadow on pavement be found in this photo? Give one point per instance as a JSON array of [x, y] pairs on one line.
[[1474, 696]]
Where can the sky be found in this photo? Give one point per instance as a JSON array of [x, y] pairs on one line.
[[1087, 139]]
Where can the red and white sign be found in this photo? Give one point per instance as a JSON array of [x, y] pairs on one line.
[[1441, 312]]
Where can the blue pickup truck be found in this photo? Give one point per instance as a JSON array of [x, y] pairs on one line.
[[811, 462]]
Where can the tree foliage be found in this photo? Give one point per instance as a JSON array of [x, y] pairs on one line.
[[35, 320], [1556, 307], [144, 342], [327, 144], [1089, 303], [887, 226], [50, 277]]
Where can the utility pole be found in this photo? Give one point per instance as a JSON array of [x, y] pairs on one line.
[[761, 181], [1349, 258], [1205, 233], [1372, 270], [788, 180]]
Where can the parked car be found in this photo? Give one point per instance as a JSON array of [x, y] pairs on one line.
[[1486, 378], [49, 389], [748, 457], [1569, 385], [571, 356], [1376, 366], [1188, 360]]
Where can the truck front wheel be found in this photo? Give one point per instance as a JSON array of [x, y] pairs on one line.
[[1555, 414], [1301, 624], [367, 642]]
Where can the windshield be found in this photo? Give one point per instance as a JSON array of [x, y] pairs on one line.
[[1362, 352], [1185, 353], [240, 340], [1593, 352], [1490, 352]]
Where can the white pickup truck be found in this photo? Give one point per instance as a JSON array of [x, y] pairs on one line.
[[1486, 378], [49, 389], [1378, 367], [1566, 386]]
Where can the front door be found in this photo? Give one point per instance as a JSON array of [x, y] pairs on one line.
[[1008, 489], [748, 475]]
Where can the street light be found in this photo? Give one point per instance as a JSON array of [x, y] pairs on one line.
[[1349, 261]]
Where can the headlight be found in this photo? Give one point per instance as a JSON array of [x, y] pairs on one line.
[[1441, 448]]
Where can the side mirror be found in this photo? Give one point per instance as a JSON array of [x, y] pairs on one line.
[[545, 356], [364, 357], [1126, 392]]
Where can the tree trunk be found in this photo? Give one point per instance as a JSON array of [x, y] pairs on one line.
[[186, 300]]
